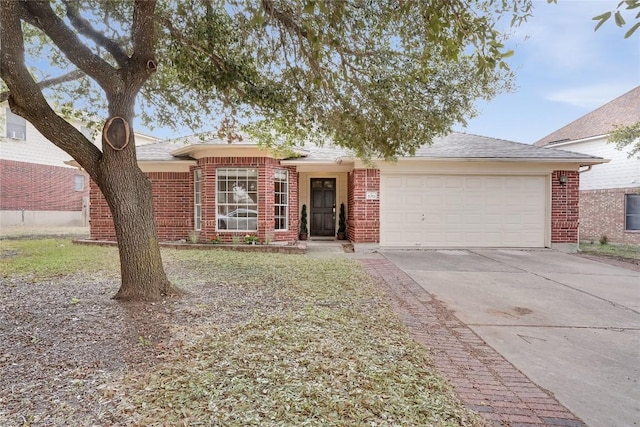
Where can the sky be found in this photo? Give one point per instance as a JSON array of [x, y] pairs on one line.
[[563, 70]]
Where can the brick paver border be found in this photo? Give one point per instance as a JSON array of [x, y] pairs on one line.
[[484, 380]]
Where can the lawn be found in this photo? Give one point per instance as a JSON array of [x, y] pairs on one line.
[[260, 340], [628, 253]]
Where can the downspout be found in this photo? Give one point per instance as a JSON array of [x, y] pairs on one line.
[[579, 172]]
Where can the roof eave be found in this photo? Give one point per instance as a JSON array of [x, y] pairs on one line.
[[193, 150], [586, 161]]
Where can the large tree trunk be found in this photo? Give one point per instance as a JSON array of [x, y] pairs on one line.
[[128, 193], [115, 169]]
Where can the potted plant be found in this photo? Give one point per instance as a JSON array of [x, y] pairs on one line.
[[304, 232], [342, 224]]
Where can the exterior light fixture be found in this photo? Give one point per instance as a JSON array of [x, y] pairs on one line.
[[562, 179]]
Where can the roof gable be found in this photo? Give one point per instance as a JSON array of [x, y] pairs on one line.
[[622, 111]]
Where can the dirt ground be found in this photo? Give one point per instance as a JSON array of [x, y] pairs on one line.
[[65, 343]]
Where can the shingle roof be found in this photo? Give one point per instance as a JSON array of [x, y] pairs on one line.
[[159, 151], [453, 146], [468, 146], [622, 111]]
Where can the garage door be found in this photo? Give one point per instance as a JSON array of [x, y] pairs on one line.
[[461, 210]]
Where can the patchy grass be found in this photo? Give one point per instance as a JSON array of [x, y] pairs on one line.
[[259, 340], [49, 258], [629, 253], [334, 354]]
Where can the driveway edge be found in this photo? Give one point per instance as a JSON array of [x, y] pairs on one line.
[[484, 380]]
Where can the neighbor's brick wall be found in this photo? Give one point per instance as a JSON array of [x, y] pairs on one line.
[[172, 203], [602, 213], [564, 207], [363, 216], [37, 187]]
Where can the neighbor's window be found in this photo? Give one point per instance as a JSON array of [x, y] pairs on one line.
[[632, 212], [16, 126], [281, 199], [236, 199], [78, 182], [197, 199]]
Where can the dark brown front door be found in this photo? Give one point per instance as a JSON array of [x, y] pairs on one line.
[[323, 207]]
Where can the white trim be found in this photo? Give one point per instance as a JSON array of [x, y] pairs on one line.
[[573, 141]]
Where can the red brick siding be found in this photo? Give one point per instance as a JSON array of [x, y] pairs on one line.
[[36, 187], [174, 202], [602, 213], [363, 216], [564, 207]]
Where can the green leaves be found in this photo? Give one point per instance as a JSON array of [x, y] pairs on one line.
[[627, 137], [601, 19], [381, 78], [618, 17]]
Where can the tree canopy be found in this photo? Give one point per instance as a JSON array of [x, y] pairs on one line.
[[380, 77]]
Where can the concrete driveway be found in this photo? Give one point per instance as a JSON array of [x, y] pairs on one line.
[[571, 325]]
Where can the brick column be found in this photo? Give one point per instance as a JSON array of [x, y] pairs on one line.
[[363, 216], [564, 207]]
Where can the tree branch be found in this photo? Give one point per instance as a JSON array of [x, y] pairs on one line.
[[285, 19], [26, 98], [85, 28], [39, 14], [142, 35], [68, 77]]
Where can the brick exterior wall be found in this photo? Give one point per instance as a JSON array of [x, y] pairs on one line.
[[602, 213], [36, 187], [363, 216], [564, 207], [266, 213], [173, 202]]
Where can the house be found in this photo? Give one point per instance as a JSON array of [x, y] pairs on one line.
[[464, 190], [36, 186], [610, 193]]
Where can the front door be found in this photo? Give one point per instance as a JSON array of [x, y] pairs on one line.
[[323, 207]]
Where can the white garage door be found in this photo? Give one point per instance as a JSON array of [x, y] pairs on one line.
[[461, 210]]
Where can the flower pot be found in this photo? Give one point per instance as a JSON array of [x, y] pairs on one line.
[[342, 235], [303, 236]]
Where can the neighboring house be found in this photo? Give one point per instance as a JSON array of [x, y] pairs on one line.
[[610, 193], [462, 191], [36, 186]]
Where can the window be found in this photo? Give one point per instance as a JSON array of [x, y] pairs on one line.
[[78, 182], [632, 212], [16, 126], [197, 199], [281, 199], [236, 199]]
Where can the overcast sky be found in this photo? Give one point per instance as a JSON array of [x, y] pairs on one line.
[[564, 70]]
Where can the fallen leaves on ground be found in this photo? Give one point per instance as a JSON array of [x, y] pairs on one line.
[[260, 340]]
